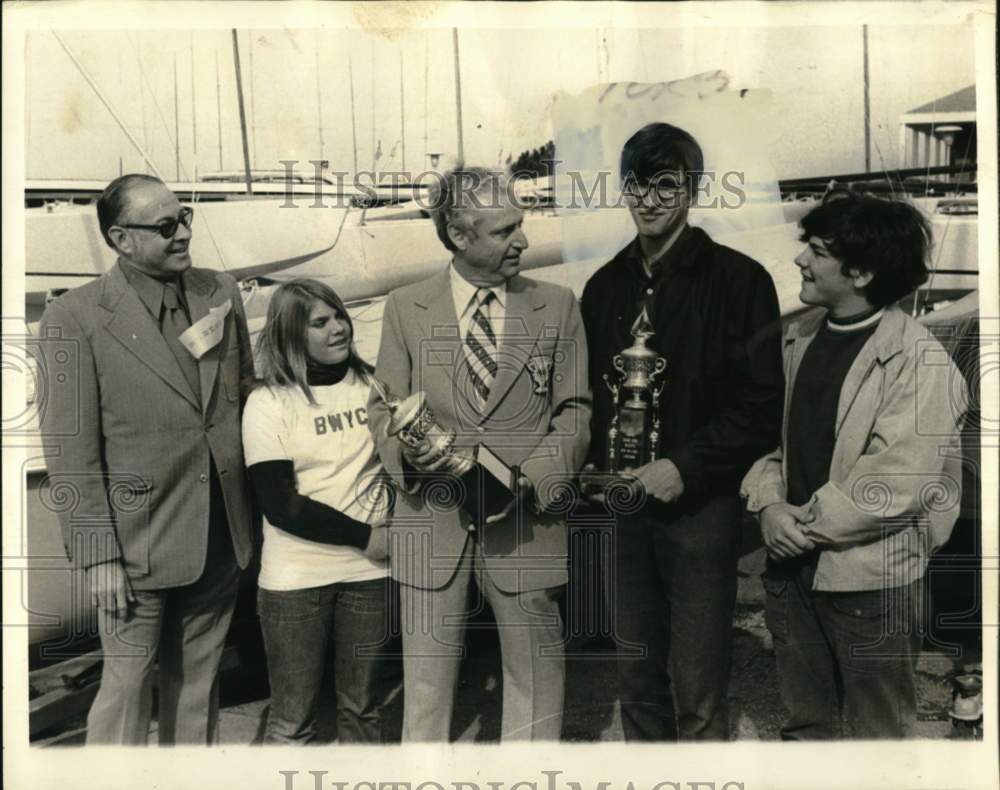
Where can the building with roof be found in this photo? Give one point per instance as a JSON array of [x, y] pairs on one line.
[[941, 133]]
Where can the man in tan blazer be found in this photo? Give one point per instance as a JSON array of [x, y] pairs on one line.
[[145, 433], [502, 360]]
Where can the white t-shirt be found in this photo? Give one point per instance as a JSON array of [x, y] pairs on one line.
[[335, 463]]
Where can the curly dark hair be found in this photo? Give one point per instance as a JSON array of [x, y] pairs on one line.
[[889, 239]]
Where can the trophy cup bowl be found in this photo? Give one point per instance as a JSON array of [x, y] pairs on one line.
[[487, 483], [413, 422], [639, 366]]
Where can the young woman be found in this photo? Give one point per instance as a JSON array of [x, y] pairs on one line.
[[323, 492]]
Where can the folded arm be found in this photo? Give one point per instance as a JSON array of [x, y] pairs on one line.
[[288, 510]]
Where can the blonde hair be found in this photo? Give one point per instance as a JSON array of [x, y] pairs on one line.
[[281, 347]]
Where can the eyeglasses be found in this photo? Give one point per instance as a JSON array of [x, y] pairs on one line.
[[168, 228], [663, 190]]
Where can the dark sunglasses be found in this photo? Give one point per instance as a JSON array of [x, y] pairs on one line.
[[168, 228]]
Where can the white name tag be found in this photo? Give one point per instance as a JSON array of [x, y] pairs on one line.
[[206, 333]]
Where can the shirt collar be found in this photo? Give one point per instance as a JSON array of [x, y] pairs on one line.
[[150, 289], [463, 291], [677, 255]]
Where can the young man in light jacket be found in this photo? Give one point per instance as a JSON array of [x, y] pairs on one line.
[[867, 481]]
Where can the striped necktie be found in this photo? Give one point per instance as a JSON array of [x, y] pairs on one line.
[[481, 348]]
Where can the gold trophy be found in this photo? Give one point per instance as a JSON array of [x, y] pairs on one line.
[[486, 483], [634, 432]]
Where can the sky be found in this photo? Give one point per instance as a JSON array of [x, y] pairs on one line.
[[297, 85]]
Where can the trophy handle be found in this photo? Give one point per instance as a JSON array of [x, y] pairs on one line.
[[613, 388], [661, 364], [619, 363]]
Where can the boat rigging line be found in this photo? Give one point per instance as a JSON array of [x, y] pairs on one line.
[[107, 103]]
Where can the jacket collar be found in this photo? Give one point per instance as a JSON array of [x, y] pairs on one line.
[[885, 343], [129, 320], [196, 281]]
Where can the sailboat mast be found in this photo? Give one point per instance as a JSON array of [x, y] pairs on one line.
[[253, 114], [107, 104], [218, 105], [194, 116], [319, 100], [868, 130], [402, 111], [243, 118], [426, 75], [354, 125], [177, 126], [458, 98]]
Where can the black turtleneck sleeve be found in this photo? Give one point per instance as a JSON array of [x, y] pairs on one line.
[[285, 508]]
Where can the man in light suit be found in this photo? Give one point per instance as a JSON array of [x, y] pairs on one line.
[[146, 434], [502, 360]]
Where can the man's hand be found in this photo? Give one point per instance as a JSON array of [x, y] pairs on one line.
[[377, 549], [110, 589], [660, 480], [781, 528], [523, 490], [426, 458], [592, 485]]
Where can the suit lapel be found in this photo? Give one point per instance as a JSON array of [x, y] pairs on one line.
[[132, 325], [522, 325], [441, 350], [439, 325], [199, 291]]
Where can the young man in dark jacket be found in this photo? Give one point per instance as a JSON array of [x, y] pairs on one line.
[[714, 314]]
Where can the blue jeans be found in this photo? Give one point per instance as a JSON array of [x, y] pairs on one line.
[[297, 627], [846, 661]]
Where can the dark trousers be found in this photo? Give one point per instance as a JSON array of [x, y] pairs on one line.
[[674, 595], [298, 626], [846, 661]]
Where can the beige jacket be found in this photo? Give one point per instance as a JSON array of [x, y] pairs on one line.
[[129, 446], [537, 417], [895, 477]]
